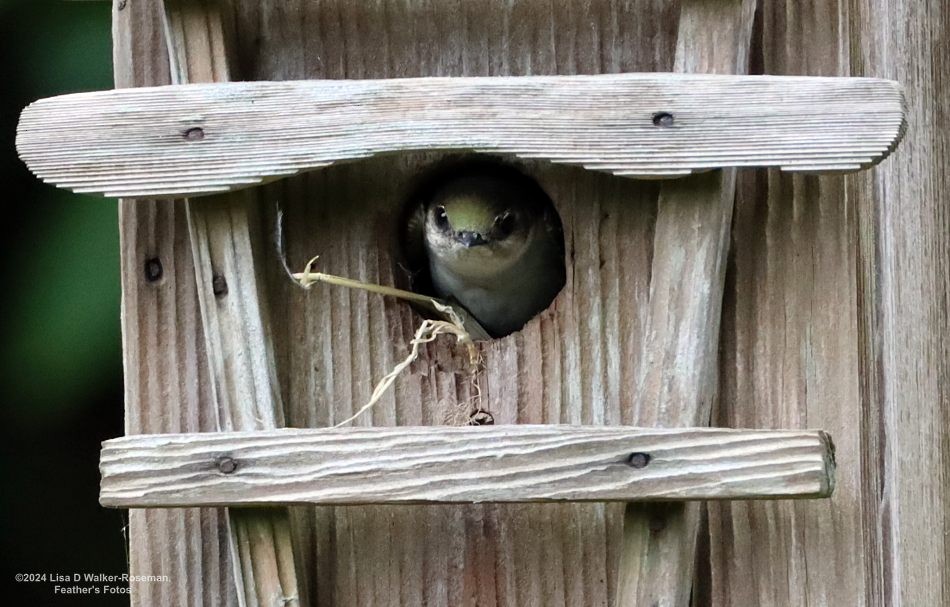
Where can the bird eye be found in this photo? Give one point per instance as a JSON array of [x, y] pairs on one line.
[[441, 219], [505, 223]]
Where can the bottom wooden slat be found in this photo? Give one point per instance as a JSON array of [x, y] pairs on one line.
[[522, 463]]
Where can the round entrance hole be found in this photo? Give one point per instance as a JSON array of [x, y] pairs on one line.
[[487, 237]]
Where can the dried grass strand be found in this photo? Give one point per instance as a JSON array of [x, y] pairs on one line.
[[428, 331]]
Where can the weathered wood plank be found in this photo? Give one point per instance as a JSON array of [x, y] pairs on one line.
[[904, 307], [573, 364], [790, 355], [587, 347], [522, 463], [837, 318], [677, 380], [226, 243], [166, 374], [200, 139]]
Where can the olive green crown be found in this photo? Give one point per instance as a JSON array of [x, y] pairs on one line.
[[470, 213]]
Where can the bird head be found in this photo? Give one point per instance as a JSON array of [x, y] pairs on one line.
[[478, 228]]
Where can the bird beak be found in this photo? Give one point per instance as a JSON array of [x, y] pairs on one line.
[[470, 239]]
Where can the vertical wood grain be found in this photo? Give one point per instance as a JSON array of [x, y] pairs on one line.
[[226, 243], [790, 349], [166, 374], [677, 380], [904, 300], [834, 320], [835, 316], [574, 364]]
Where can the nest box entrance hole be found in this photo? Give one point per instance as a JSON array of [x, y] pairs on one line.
[[576, 349]]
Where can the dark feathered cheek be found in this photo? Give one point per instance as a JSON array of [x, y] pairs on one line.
[[505, 225], [438, 229], [440, 219]]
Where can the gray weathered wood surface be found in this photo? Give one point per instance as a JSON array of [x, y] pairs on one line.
[[519, 463], [790, 344], [226, 242], [835, 316], [166, 374], [677, 381], [200, 139], [903, 292]]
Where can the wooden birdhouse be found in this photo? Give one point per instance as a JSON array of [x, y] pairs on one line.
[[705, 269]]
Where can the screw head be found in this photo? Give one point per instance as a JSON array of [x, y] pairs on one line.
[[639, 460], [481, 418], [226, 465], [153, 269], [663, 119], [219, 285], [194, 134]]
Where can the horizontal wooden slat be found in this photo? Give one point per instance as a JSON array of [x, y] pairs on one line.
[[204, 138], [522, 463]]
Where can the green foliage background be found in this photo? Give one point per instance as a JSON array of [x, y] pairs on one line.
[[61, 392]]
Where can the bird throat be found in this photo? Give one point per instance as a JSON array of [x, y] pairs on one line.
[[482, 263]]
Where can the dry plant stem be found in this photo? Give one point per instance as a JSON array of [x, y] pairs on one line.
[[308, 277], [427, 331], [455, 316]]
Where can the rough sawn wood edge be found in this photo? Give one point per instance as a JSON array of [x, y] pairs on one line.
[[199, 139]]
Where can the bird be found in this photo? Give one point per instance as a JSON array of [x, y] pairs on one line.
[[490, 239]]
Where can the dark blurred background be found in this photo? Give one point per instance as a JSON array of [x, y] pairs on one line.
[[61, 356]]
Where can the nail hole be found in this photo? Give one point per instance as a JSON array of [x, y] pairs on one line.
[[121, 5], [226, 465], [219, 286], [153, 269], [194, 134], [481, 418], [663, 119], [639, 460]]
